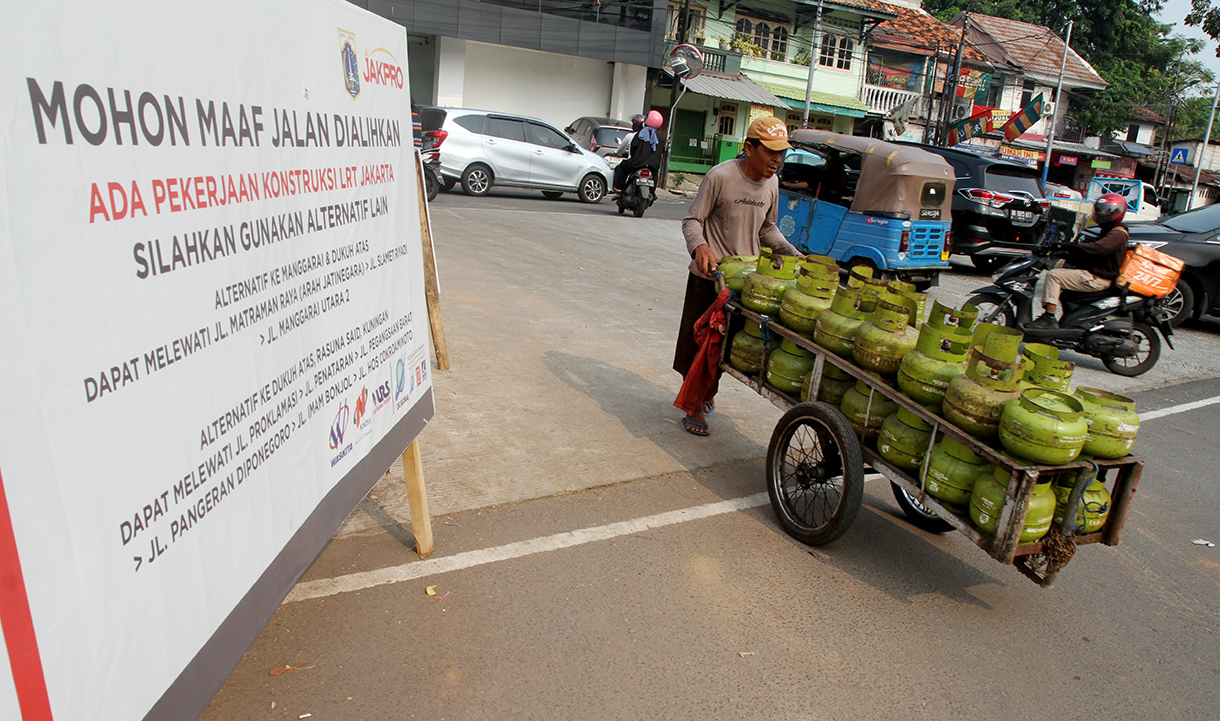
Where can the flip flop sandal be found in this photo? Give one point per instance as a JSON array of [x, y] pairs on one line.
[[698, 429], [709, 407]]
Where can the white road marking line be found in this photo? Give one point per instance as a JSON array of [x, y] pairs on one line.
[[1151, 415], [432, 566], [418, 569]]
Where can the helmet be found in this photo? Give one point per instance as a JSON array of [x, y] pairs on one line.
[[1109, 209], [654, 119], [637, 123]]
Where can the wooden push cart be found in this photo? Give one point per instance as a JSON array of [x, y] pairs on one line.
[[816, 465]]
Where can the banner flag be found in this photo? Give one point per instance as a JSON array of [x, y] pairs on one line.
[[1024, 120], [978, 124]]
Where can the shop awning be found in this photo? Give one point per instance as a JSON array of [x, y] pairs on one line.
[[819, 102], [1128, 148], [740, 88], [1062, 146]]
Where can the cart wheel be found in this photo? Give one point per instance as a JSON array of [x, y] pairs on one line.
[[815, 473], [917, 514]]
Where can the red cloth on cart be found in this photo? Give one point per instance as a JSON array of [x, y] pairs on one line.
[[703, 378]]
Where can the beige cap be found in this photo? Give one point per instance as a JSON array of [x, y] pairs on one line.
[[771, 132]]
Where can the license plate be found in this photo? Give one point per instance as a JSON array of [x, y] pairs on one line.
[[1022, 216], [644, 181]]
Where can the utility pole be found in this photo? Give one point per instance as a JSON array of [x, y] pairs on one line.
[[674, 93], [1050, 135], [1207, 136], [814, 51], [951, 85]]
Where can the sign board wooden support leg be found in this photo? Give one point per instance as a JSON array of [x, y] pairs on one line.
[[431, 286], [417, 499]]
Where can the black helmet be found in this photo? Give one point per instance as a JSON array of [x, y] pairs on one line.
[[637, 122], [1109, 209]]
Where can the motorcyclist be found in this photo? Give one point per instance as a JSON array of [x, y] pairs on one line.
[[645, 150], [1096, 263], [624, 146]]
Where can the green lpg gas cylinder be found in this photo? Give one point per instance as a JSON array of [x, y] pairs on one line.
[[736, 268], [1113, 423], [975, 399], [997, 341], [822, 265], [866, 409], [835, 383], [748, 351], [952, 471], [987, 499], [911, 298], [861, 278], [904, 439], [939, 356], [835, 328], [1044, 426], [788, 367], [880, 343], [1045, 370], [803, 303], [763, 290], [1094, 505], [954, 320]]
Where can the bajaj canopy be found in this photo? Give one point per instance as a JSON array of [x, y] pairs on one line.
[[895, 180]]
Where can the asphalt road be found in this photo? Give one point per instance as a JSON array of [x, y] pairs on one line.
[[589, 567]]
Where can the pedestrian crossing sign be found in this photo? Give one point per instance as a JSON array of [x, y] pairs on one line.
[[1178, 156]]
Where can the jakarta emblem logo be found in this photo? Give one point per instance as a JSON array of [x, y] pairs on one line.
[[351, 67]]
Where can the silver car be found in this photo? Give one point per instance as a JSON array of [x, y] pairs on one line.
[[483, 148]]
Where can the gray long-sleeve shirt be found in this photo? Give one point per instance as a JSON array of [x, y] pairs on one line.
[[734, 215]]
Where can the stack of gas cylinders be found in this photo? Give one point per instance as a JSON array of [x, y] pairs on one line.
[[979, 377]]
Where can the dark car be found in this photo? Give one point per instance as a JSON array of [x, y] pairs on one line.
[[998, 207], [599, 135], [1193, 237]]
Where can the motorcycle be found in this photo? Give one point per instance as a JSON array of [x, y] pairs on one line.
[[1114, 325], [431, 156], [638, 192], [432, 172]]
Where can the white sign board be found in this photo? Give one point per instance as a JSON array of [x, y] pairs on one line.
[[215, 331]]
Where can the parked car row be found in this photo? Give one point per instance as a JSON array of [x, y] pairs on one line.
[[484, 149]]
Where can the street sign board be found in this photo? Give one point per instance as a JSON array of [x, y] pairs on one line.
[[215, 331], [1178, 156]]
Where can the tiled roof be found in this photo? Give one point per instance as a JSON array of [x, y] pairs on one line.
[[917, 32], [1147, 115], [874, 5], [1031, 49]]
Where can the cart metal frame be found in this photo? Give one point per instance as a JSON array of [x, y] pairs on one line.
[[1041, 561]]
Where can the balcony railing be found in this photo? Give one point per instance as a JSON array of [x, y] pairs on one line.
[[882, 100]]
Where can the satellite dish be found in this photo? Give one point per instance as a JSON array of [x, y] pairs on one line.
[[686, 61]]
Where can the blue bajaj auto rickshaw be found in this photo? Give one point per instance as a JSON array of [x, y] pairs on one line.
[[864, 201]]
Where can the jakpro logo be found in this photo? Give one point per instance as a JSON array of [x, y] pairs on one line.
[[339, 426], [400, 374], [380, 72], [361, 401], [351, 66]]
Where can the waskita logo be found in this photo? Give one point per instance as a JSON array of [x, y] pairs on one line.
[[339, 427], [351, 65], [381, 68]]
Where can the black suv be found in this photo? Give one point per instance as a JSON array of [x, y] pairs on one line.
[[1194, 237], [998, 207]]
